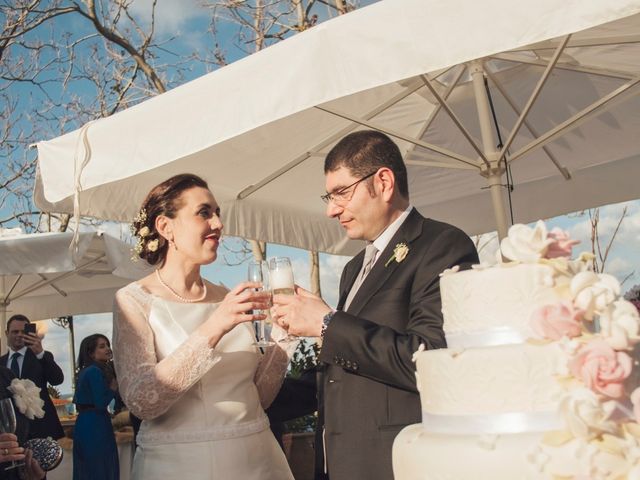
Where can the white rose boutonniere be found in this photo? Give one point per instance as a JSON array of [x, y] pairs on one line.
[[399, 253], [26, 396]]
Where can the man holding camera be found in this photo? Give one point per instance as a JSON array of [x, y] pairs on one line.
[[27, 359]]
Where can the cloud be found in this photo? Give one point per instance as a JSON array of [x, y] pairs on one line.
[[331, 267], [170, 16], [487, 245]]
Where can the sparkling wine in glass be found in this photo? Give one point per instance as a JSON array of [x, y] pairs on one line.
[[258, 272], [281, 278], [8, 424]]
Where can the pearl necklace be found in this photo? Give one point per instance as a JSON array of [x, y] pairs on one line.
[[180, 297]]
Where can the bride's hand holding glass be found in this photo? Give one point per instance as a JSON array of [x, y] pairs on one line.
[[241, 304]]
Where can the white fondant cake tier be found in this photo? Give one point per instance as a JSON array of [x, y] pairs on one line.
[[495, 380], [481, 300], [538, 380], [419, 455]]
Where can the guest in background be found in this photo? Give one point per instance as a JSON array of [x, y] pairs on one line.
[[27, 359], [10, 449], [95, 454]]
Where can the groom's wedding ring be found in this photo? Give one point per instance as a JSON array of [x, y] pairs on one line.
[[6, 451]]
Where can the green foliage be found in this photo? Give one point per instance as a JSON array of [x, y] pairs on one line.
[[53, 391], [304, 358]]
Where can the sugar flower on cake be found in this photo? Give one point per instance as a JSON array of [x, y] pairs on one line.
[[620, 325], [594, 292], [601, 368], [26, 396], [561, 245], [525, 244], [558, 320], [586, 416], [449, 271]]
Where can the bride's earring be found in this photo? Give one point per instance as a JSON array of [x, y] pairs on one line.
[[173, 244]]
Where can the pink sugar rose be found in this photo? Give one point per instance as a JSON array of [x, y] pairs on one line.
[[556, 321], [635, 400], [601, 368], [561, 245]]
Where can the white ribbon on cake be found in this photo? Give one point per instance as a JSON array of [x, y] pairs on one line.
[[485, 338], [492, 424]]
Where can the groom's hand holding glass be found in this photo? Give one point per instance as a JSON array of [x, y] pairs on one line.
[[300, 314]]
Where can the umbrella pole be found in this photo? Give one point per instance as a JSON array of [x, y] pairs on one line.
[[3, 318], [494, 170]]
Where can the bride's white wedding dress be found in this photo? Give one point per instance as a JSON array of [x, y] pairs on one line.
[[202, 408]]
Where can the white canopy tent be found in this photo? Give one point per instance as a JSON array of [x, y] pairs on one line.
[[39, 278], [563, 89]]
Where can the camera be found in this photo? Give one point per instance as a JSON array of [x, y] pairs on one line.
[[30, 328]]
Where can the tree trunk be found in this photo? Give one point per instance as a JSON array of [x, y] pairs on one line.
[[314, 261]]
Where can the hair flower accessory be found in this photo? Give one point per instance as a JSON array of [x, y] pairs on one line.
[[144, 231], [399, 253], [152, 245], [141, 217], [26, 396]]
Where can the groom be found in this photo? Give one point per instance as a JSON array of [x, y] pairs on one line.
[[389, 305]]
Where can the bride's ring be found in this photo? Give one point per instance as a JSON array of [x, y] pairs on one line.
[[6, 451]]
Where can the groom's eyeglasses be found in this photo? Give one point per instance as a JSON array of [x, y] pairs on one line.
[[342, 197]]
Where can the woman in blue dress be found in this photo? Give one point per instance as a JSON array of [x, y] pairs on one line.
[[95, 455]]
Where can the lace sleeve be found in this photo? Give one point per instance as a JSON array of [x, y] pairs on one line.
[[148, 386], [273, 365]]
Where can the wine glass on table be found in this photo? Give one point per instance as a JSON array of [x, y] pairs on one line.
[[281, 278], [8, 424], [259, 272]]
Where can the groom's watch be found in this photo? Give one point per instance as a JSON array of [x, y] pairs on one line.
[[326, 320]]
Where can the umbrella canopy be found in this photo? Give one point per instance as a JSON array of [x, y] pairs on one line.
[[39, 278], [545, 91]]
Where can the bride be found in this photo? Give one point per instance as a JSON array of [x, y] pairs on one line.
[[184, 352]]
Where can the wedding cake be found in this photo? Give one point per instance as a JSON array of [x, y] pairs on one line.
[[538, 380]]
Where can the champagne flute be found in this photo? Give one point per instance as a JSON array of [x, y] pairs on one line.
[[281, 278], [258, 272], [8, 424]]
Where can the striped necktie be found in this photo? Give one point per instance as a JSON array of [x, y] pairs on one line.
[[369, 259]]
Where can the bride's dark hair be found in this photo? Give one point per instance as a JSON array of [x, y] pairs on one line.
[[163, 199]]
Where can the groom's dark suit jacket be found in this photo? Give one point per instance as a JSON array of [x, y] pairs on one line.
[[41, 372], [367, 386]]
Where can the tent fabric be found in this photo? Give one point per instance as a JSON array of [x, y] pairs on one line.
[[268, 120], [39, 277]]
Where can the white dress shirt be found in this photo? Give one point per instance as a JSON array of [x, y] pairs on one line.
[[22, 353], [387, 234]]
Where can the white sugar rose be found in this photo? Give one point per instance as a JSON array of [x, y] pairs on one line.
[[620, 325], [586, 415], [594, 292], [525, 244]]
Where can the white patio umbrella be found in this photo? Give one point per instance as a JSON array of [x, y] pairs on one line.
[[40, 279], [562, 86]]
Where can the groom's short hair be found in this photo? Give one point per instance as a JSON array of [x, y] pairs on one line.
[[365, 151]]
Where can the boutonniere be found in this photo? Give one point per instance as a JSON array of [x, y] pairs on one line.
[[399, 253], [26, 396]]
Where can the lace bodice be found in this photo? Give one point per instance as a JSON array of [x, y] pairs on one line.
[[169, 376]]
